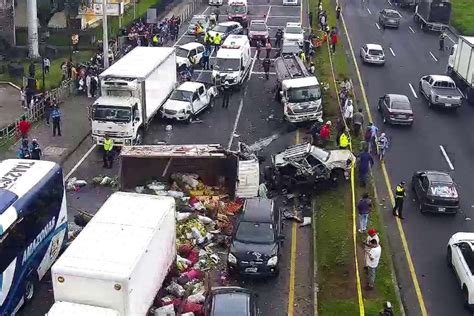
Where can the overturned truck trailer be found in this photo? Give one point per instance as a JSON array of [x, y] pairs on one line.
[[216, 166]]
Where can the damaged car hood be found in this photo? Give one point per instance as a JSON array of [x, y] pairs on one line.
[[253, 252]]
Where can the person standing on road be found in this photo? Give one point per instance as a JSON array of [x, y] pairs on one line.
[[334, 42], [338, 12], [364, 207], [56, 117], [48, 106], [268, 48], [205, 59], [399, 198], [365, 163], [217, 41], [442, 37], [325, 134], [348, 112], [357, 122], [344, 141], [107, 155], [226, 93], [258, 46], [278, 37], [35, 150], [372, 259], [24, 150], [266, 67]]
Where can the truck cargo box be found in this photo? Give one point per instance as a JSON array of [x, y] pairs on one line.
[[435, 11], [122, 256], [464, 59], [72, 309]]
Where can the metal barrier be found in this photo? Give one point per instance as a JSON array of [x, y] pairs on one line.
[[37, 111]]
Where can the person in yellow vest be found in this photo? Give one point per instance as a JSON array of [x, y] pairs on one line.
[[217, 41], [344, 141], [75, 42], [399, 198], [108, 154], [155, 40], [303, 56]]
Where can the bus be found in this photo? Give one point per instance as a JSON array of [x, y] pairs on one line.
[[33, 227]]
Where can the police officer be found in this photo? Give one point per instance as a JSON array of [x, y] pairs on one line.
[[399, 197], [217, 41], [107, 155], [266, 67]]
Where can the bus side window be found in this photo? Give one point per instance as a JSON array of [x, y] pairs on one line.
[[12, 243]]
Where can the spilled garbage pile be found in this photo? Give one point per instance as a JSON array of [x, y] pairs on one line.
[[205, 216]]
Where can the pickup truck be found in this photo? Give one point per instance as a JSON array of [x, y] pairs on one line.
[[188, 100], [440, 90]]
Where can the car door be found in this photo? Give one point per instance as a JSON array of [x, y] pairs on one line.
[[363, 50], [199, 52], [461, 253], [203, 99], [196, 102], [422, 189], [386, 106], [425, 84], [192, 56]]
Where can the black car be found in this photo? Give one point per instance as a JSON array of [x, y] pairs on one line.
[[435, 191], [256, 241], [231, 300], [389, 18]]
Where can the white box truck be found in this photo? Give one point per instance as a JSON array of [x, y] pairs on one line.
[[132, 92], [461, 66], [119, 261]]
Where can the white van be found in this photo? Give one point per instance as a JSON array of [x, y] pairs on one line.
[[233, 61]]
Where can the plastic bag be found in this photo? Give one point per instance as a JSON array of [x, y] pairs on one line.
[[167, 310], [175, 289], [205, 220]]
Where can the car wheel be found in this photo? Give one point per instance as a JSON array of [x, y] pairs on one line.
[[30, 288], [384, 119], [430, 104], [190, 119], [421, 208], [449, 257], [212, 102]]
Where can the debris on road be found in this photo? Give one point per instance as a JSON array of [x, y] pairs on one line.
[[106, 181], [73, 184]]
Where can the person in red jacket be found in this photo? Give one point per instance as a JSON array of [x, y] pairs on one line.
[[333, 42], [325, 133], [24, 127]]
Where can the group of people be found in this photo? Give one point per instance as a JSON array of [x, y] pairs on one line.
[[140, 33], [29, 151]]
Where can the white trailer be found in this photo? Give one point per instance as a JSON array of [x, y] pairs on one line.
[[132, 92], [120, 260], [461, 66]]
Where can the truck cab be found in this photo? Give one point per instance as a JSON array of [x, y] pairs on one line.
[[233, 61], [298, 90], [188, 100], [237, 11], [117, 112]]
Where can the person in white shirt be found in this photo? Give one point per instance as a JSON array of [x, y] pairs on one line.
[[88, 86], [372, 258], [348, 112]]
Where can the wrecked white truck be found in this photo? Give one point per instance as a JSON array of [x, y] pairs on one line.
[[308, 164], [237, 172]]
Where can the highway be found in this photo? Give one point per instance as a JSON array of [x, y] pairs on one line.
[[253, 117], [412, 53]]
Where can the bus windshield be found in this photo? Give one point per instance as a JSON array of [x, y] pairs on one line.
[[32, 242]]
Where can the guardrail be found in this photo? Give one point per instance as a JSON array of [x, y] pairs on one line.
[[36, 112]]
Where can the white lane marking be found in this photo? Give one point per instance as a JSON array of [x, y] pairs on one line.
[[443, 151], [377, 25], [253, 64], [391, 50], [273, 5], [80, 162], [449, 37], [436, 59], [413, 91], [368, 10], [262, 73], [268, 14], [282, 16], [236, 121], [411, 29]]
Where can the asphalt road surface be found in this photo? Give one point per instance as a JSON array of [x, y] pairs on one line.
[[253, 117], [411, 53]]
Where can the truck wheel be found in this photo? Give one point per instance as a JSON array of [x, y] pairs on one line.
[[30, 288], [189, 120], [212, 102]]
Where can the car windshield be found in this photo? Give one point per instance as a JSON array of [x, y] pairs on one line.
[[180, 95], [258, 27], [220, 28], [181, 52], [258, 233], [238, 9], [111, 113], [375, 52], [443, 190], [237, 302], [304, 94], [294, 30], [320, 154], [400, 105], [227, 64], [392, 14]]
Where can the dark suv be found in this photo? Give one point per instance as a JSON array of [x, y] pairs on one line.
[[389, 18], [231, 300], [256, 241]]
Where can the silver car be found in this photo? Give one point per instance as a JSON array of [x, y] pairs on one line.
[[395, 109], [372, 54]]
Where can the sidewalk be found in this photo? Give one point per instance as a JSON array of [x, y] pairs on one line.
[[75, 127]]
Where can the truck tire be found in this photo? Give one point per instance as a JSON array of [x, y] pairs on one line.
[[30, 288]]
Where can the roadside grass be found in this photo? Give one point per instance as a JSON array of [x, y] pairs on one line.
[[333, 216], [463, 16], [53, 78]]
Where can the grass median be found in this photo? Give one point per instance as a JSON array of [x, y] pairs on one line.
[[463, 16], [333, 217]]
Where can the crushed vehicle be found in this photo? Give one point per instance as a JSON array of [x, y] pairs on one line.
[[308, 164], [435, 192], [188, 100], [189, 54], [440, 90], [298, 90], [256, 241]]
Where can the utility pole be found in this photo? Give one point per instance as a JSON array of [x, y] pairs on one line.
[[32, 18], [105, 38]]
